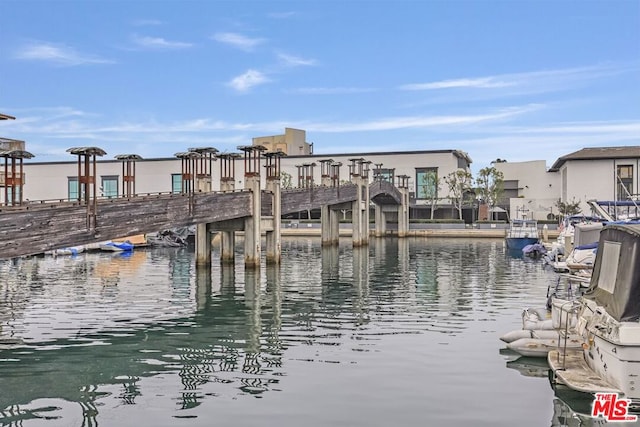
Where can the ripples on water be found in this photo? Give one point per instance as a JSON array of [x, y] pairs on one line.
[[404, 332]]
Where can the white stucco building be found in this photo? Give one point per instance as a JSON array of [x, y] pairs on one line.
[[59, 180], [531, 191], [601, 173], [597, 173]]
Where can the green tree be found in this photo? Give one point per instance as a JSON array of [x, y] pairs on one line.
[[285, 180], [568, 208], [431, 182], [490, 185], [459, 183]]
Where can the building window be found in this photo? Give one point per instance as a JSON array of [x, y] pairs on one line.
[[383, 174], [10, 194], [426, 183], [625, 182], [176, 183], [72, 188], [109, 186]]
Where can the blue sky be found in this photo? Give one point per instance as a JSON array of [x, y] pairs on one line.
[[517, 80]]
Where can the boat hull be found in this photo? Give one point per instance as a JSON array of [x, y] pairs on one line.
[[616, 364], [518, 243]]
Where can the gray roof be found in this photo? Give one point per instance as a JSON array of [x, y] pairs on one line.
[[598, 153]]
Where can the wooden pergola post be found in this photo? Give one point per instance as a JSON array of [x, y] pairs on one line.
[[128, 173], [87, 182]]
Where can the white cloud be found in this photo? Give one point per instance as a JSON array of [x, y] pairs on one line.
[[295, 61], [534, 81], [238, 40], [57, 54], [248, 80], [413, 122], [485, 134], [159, 43], [332, 90], [485, 82]]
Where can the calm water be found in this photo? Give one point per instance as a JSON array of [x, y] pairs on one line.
[[404, 333]]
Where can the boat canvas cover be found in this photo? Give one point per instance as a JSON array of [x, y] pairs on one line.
[[587, 233], [615, 282]]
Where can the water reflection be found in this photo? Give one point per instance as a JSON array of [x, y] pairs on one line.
[[96, 333], [573, 409]]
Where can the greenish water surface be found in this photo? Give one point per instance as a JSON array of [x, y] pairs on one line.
[[403, 333]]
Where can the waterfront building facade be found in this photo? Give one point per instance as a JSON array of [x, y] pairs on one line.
[[59, 180], [531, 191], [596, 173], [600, 173]]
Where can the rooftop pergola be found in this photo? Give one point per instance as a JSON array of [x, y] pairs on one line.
[[12, 179], [228, 166], [188, 159], [87, 183], [252, 154], [204, 166], [272, 165], [128, 173]]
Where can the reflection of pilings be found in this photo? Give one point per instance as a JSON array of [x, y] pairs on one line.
[[330, 263], [252, 301], [228, 279], [274, 288], [380, 253], [403, 259], [203, 288], [361, 282]]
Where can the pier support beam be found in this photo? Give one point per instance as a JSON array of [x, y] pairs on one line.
[[274, 246], [334, 226], [380, 221], [203, 245], [356, 216], [252, 235], [366, 203], [329, 225], [403, 208], [227, 247], [274, 250], [252, 248], [359, 170]]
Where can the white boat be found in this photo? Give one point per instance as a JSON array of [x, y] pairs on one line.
[[608, 321], [522, 232], [540, 347], [71, 250], [575, 231], [111, 246], [539, 334]]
